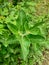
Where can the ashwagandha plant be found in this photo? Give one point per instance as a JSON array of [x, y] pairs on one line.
[[27, 35], [21, 35]]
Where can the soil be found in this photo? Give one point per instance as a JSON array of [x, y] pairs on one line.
[[46, 58]]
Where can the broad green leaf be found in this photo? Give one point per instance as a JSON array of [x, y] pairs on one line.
[[38, 24], [35, 31], [21, 17], [12, 39], [36, 38], [21, 20], [12, 28], [25, 43]]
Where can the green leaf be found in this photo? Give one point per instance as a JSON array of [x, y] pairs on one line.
[[1, 26], [36, 38], [21, 20], [25, 43], [12, 28], [38, 24], [35, 31], [12, 39]]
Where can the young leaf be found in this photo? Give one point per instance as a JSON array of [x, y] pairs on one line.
[[38, 24], [35, 31], [25, 43], [36, 38], [21, 20], [12, 28]]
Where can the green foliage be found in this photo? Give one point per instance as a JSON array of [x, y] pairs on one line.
[[23, 35]]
